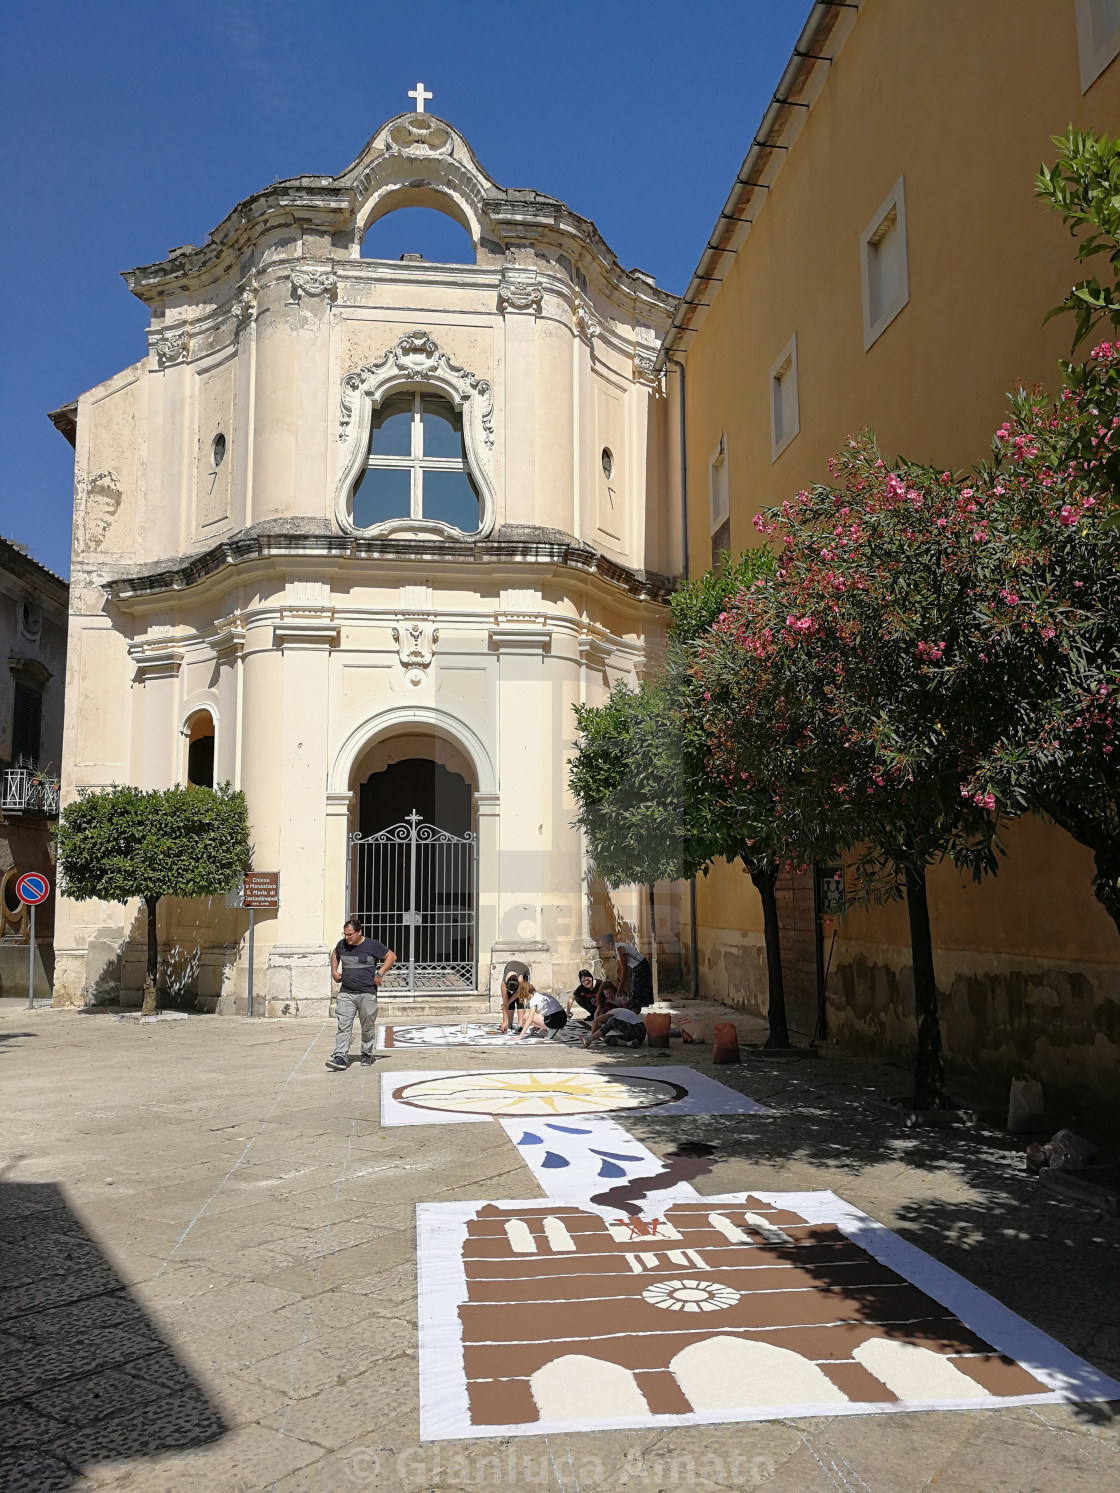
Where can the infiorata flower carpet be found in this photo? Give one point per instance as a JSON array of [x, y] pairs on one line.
[[626, 1298]]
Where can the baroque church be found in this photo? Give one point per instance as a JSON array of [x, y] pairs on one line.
[[355, 535]]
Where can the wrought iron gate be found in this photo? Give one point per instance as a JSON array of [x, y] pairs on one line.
[[415, 887]]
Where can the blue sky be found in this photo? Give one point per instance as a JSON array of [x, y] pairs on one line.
[[131, 127]]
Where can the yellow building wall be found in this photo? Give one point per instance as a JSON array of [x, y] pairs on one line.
[[960, 100]]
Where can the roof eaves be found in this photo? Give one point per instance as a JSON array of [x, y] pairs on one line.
[[803, 61]]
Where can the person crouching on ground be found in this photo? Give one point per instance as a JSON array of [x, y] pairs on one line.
[[360, 963], [586, 993], [545, 1014], [617, 1026], [516, 994]]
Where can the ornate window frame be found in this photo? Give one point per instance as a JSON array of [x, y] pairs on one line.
[[415, 364]]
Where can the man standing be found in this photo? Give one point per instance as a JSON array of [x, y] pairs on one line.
[[361, 964]]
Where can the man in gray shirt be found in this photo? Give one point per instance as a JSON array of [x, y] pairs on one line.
[[360, 963]]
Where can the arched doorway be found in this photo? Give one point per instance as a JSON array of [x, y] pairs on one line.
[[413, 865]]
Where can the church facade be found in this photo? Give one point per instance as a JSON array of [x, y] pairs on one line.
[[355, 535]]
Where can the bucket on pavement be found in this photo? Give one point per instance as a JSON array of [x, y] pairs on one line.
[[657, 1028], [725, 1048]]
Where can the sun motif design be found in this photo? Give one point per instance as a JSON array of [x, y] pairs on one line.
[[553, 1092], [691, 1295]]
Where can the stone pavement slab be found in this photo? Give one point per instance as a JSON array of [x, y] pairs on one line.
[[208, 1278]]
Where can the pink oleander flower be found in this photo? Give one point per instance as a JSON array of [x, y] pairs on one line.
[[1068, 516]]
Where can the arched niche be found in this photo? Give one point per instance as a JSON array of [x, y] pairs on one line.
[[200, 731]]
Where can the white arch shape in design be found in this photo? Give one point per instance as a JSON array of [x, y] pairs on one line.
[[576, 1387], [730, 1373], [415, 362], [397, 720]]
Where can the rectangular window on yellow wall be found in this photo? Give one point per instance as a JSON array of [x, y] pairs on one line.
[[719, 503], [883, 265], [785, 409], [1098, 37]]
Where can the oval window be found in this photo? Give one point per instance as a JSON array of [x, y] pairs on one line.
[[218, 450], [608, 463]]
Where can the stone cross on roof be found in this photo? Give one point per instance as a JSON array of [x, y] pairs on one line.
[[419, 94]]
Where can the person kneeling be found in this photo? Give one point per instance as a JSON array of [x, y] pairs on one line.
[[545, 1014], [586, 993], [618, 1026]]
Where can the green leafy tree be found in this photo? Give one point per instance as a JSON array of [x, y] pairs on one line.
[[649, 803], [1052, 612], [1084, 186], [120, 843], [847, 684]]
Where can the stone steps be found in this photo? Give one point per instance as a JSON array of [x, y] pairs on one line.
[[428, 1006]]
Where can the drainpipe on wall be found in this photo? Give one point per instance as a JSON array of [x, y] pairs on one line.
[[694, 970]]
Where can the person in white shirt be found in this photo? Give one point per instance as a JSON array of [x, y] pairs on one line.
[[617, 1026], [545, 1014]]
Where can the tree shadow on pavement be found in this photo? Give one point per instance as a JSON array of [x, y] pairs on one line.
[[961, 1194], [85, 1376]]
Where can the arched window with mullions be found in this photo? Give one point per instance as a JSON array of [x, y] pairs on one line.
[[416, 465]]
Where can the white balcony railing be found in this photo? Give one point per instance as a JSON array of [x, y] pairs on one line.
[[26, 791]]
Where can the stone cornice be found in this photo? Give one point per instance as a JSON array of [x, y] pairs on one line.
[[160, 658], [509, 545]]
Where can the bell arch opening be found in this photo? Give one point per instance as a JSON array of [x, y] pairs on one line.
[[430, 231], [412, 874]]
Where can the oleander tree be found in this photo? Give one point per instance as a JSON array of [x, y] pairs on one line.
[[1053, 610], [118, 843], [649, 804], [848, 686]]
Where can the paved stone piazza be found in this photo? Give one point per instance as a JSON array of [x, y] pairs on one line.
[[207, 1255]]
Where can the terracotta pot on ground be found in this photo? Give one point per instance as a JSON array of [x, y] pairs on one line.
[[725, 1048], [657, 1028]]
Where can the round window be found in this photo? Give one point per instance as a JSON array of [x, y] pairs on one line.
[[608, 462], [218, 450]]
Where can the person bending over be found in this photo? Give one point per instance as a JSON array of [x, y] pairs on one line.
[[516, 992], [635, 976], [586, 992], [360, 963], [544, 1014]]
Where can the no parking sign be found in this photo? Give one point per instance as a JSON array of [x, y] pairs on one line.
[[31, 889]]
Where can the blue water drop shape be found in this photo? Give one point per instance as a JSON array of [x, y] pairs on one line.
[[529, 1139], [568, 1129], [551, 1159], [615, 1155], [609, 1169]]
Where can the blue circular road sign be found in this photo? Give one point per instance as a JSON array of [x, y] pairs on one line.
[[33, 888]]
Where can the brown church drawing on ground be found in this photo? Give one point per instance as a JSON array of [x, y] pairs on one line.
[[701, 1311], [719, 1309]]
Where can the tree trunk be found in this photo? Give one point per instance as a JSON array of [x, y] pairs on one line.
[[764, 879], [929, 1068], [653, 941], [149, 1006], [1106, 883]]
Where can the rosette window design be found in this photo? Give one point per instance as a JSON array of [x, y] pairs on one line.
[[691, 1295]]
